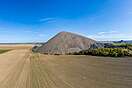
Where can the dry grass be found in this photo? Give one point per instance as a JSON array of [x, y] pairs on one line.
[[20, 68]]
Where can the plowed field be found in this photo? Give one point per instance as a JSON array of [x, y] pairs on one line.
[[20, 68]]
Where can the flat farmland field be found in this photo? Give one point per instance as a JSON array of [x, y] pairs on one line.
[[20, 68]]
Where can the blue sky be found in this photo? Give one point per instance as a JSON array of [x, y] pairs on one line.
[[39, 20]]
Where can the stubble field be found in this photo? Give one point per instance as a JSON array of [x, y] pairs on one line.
[[20, 68]]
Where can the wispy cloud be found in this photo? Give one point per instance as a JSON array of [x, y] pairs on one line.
[[109, 32], [41, 35], [47, 20], [130, 12], [27, 31], [111, 35], [3, 31]]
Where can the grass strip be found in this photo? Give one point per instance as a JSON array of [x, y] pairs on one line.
[[4, 50]]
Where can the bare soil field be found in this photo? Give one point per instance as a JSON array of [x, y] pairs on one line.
[[20, 68], [16, 46]]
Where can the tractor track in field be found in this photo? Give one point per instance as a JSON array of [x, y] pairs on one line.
[[47, 78], [14, 78]]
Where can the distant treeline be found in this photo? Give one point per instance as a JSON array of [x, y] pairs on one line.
[[116, 50]]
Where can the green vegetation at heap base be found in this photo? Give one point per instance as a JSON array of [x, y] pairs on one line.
[[122, 44], [117, 50], [4, 50]]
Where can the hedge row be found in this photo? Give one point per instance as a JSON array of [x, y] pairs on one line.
[[112, 52]]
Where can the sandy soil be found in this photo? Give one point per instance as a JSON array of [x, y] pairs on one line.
[[21, 68]]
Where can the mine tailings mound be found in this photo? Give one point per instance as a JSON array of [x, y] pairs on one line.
[[65, 42]]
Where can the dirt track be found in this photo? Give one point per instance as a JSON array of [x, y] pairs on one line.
[[22, 69]]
